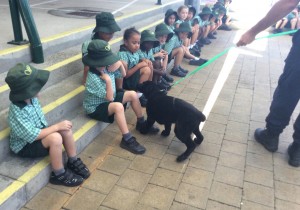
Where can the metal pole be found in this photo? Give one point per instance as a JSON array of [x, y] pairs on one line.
[[32, 33], [16, 23], [158, 2]]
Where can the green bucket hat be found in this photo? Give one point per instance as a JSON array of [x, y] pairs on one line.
[[105, 22], [206, 11], [184, 27], [148, 36], [163, 29], [99, 54], [25, 81]]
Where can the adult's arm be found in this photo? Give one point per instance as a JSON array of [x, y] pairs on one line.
[[278, 11]]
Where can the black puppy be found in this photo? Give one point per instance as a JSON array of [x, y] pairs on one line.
[[167, 110]]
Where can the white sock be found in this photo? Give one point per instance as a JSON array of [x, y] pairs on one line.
[[196, 58], [139, 94]]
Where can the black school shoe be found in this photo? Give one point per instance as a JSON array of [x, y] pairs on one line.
[[79, 168], [168, 78], [177, 72], [68, 178], [224, 27], [140, 125], [194, 52], [133, 146], [211, 36], [269, 141], [183, 70], [197, 62], [294, 154]]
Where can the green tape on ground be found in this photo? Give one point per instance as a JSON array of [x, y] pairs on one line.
[[224, 52]]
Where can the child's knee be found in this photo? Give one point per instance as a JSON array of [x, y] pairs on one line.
[[119, 108], [146, 70], [55, 139]]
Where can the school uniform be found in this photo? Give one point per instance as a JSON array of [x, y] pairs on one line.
[[26, 122], [95, 103], [131, 59]]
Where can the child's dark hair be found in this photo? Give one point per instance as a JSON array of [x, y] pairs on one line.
[[128, 32]]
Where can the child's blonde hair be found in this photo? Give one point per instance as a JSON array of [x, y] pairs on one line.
[[181, 8]]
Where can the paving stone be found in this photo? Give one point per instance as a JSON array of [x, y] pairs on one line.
[[257, 148], [226, 194], [144, 164], [229, 176], [182, 206], [169, 162], [48, 198], [260, 161], [203, 162], [239, 116], [222, 107], [176, 148], [248, 205], [259, 176], [198, 177], [119, 152], [85, 199], [259, 194], [236, 136], [114, 165], [157, 197], [101, 181], [287, 192], [283, 205], [94, 149], [212, 137], [192, 195], [218, 118], [207, 148], [108, 137], [231, 160], [134, 180], [155, 150], [166, 178], [143, 207], [121, 199], [233, 126], [162, 139], [234, 147], [213, 205], [287, 175], [214, 127]]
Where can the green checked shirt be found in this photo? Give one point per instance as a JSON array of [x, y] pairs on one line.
[[173, 43], [95, 89], [147, 55], [157, 49], [25, 121]]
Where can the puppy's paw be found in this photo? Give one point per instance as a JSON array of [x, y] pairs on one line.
[[165, 133], [181, 157]]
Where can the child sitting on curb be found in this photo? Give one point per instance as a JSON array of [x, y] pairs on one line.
[[148, 42], [176, 50], [30, 135], [105, 28], [163, 34], [170, 19], [138, 69], [102, 102]]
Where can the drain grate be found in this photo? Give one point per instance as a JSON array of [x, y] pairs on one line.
[[84, 13]]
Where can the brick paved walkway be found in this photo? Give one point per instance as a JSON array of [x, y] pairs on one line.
[[229, 170]]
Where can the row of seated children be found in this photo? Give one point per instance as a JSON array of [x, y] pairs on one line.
[[292, 20]]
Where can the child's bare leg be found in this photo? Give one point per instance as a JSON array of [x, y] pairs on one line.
[[119, 83], [283, 23], [54, 141], [195, 36], [178, 53], [187, 54], [131, 96], [68, 142], [206, 31], [146, 74], [293, 23], [118, 109]]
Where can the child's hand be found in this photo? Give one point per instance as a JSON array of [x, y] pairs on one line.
[[142, 64], [64, 125], [161, 54]]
